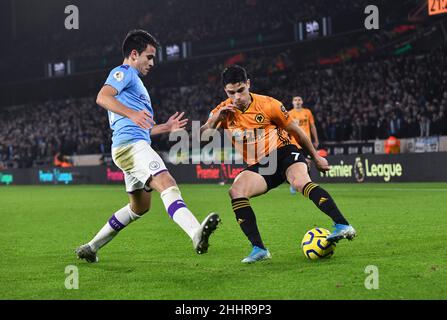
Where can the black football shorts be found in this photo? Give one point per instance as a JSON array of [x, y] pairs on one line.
[[286, 156]]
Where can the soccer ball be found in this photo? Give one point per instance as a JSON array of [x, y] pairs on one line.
[[315, 245]]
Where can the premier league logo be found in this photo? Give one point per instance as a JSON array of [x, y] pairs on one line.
[[119, 76], [358, 170], [284, 111]]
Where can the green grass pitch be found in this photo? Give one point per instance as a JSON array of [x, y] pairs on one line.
[[401, 230]]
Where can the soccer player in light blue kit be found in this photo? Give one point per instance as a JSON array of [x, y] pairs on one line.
[[131, 119]]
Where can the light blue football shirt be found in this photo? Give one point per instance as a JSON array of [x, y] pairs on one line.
[[133, 94]]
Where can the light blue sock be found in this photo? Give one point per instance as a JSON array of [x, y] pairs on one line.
[[292, 190]]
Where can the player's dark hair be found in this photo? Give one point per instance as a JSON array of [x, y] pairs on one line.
[[138, 40], [234, 74]]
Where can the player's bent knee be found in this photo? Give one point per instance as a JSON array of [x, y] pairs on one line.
[[162, 182], [167, 178], [298, 184], [143, 212], [236, 192], [140, 210]]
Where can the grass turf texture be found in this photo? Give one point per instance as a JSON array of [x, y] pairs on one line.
[[401, 230]]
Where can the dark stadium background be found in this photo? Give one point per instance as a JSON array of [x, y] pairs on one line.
[[363, 86], [360, 84]]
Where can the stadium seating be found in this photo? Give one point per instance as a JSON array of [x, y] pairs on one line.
[[350, 101]]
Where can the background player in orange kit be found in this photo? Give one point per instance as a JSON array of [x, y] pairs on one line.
[[306, 121]]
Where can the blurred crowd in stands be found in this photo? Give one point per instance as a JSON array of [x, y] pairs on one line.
[[364, 97], [404, 96], [34, 134], [104, 23]]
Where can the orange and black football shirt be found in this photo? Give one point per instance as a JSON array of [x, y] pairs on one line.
[[259, 129], [305, 118]]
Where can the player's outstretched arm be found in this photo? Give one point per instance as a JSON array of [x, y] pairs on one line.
[[294, 129], [106, 99], [174, 123]]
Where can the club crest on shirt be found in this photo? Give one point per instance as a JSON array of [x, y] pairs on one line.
[[119, 76], [259, 118], [154, 165]]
